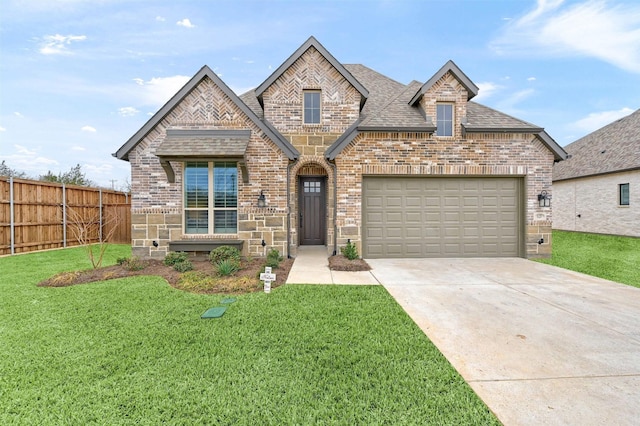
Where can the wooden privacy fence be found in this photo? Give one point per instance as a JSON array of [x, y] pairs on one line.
[[37, 215]]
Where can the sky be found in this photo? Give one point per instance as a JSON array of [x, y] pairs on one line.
[[79, 77]]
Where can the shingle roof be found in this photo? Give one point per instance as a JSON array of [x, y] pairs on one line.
[[204, 143], [481, 118], [613, 148]]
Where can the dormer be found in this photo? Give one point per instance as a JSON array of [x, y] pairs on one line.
[[443, 100], [311, 92]]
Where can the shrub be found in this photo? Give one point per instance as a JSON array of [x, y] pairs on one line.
[[350, 251], [273, 258], [122, 260], [227, 267], [224, 253], [175, 257], [133, 263], [183, 266]]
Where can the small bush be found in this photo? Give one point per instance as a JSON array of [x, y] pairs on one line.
[[133, 263], [227, 267], [274, 254], [350, 251], [273, 258], [175, 257], [224, 253], [271, 262], [121, 260], [183, 266]]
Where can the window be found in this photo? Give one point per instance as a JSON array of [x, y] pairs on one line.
[[623, 191], [444, 119], [210, 198], [311, 107]]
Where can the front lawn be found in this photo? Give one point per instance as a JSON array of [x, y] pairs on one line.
[[605, 256], [135, 351]]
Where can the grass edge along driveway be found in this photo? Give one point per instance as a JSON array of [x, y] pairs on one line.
[[135, 351], [610, 257]]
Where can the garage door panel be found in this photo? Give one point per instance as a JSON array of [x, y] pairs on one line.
[[441, 217]]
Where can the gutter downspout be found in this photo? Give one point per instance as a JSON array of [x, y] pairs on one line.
[[335, 206], [291, 163]]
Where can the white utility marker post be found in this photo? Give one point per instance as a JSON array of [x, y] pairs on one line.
[[267, 277]]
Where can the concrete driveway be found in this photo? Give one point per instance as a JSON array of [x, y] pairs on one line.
[[538, 344]]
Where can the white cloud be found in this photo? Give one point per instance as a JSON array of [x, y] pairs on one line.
[[606, 30], [596, 120], [22, 150], [78, 148], [531, 79], [88, 129], [58, 44], [127, 111], [185, 23], [160, 19], [2, 129], [159, 90], [17, 114], [103, 168], [486, 90]]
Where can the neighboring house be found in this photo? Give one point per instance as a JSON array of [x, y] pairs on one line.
[[322, 153], [597, 189]]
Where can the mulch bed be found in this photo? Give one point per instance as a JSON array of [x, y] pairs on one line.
[[246, 280]]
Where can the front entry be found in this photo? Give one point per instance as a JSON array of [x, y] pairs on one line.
[[312, 211]]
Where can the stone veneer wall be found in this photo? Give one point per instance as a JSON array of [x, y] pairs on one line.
[[419, 154], [312, 163]]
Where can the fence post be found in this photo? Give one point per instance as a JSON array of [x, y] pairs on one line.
[[12, 227], [100, 215], [64, 216]]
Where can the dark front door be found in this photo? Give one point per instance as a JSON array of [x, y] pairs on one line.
[[312, 208]]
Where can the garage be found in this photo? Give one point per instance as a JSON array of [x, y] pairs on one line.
[[442, 217]]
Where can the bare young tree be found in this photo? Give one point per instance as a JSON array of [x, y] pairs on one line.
[[85, 228]]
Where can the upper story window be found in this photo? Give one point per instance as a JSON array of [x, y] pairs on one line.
[[311, 104], [444, 119], [210, 198], [623, 192]]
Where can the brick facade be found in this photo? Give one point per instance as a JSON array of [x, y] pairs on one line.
[[420, 154], [157, 204], [591, 204]]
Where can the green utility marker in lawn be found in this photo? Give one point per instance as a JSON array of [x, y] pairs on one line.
[[228, 300], [216, 312]]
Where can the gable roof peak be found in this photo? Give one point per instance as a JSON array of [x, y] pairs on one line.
[[450, 66], [312, 42], [204, 72]]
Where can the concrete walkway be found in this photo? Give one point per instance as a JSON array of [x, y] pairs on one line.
[[540, 345], [311, 266]]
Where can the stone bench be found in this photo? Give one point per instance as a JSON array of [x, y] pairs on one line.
[[203, 245]]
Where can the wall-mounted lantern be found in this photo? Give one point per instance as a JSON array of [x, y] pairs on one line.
[[262, 200], [544, 199]]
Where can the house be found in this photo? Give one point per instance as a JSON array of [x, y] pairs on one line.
[[322, 153], [597, 189]]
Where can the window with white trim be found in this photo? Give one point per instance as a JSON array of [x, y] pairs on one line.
[[623, 194], [444, 119], [210, 198], [311, 106]]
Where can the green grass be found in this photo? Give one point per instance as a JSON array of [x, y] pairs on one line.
[[605, 256], [135, 351]]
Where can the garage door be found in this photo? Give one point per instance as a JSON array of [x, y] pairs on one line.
[[441, 217]]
